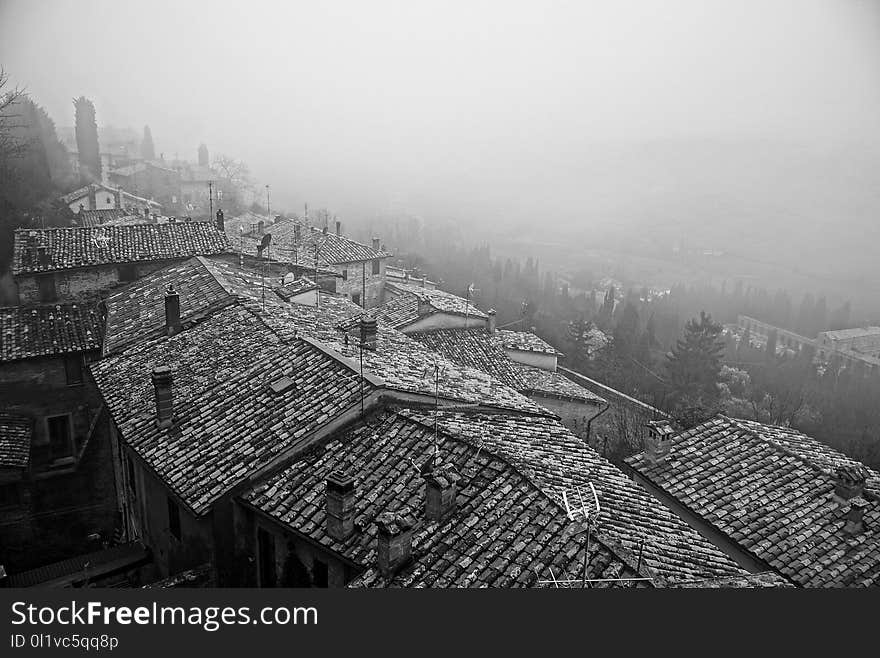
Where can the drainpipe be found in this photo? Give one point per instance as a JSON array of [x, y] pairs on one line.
[[590, 422]]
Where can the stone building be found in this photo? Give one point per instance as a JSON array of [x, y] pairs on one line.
[[99, 197], [66, 264], [56, 466], [152, 180]]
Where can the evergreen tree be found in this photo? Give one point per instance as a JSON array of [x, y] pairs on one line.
[[87, 140], [203, 155], [694, 367], [148, 150], [771, 344]]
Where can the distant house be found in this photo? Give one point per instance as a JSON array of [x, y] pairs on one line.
[[56, 466], [409, 307], [150, 179], [65, 264], [99, 197], [194, 189], [360, 268]]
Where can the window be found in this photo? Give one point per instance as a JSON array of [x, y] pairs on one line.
[[319, 574], [132, 484], [345, 275], [356, 298], [73, 368], [109, 200], [47, 288], [9, 495], [376, 266], [266, 550], [173, 518], [60, 444], [126, 272]]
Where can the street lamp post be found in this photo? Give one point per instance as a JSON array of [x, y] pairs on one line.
[[268, 210]]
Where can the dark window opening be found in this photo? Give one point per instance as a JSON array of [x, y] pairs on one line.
[[127, 272], [132, 485], [73, 368], [376, 266], [320, 574], [60, 444], [266, 550], [47, 288], [356, 298], [173, 518], [9, 495], [345, 275]]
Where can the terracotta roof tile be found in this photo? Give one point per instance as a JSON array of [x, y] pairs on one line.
[[84, 246], [770, 490], [32, 331], [15, 440]]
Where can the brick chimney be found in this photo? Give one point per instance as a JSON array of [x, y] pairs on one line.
[[172, 311], [338, 227], [369, 330], [339, 505], [394, 540], [855, 517], [441, 492], [221, 223], [424, 307], [163, 379], [376, 244], [493, 320], [658, 442], [849, 482]]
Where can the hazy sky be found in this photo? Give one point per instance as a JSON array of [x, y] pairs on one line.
[[350, 104]]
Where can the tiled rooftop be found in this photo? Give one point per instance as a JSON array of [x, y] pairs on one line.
[[484, 351], [526, 341], [32, 331], [228, 422], [556, 461], [84, 246], [296, 287], [440, 300], [15, 440], [505, 531], [769, 490], [332, 248], [98, 217]]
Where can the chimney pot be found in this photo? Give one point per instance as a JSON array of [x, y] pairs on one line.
[[493, 320], [340, 505], [324, 230], [172, 311], [855, 517], [658, 442], [441, 493], [338, 227], [849, 482], [394, 540], [424, 307], [163, 380], [369, 329]]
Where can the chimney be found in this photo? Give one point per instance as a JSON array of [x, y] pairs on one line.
[[162, 382], [855, 517], [424, 307], [394, 540], [849, 482], [658, 443], [406, 275], [376, 244], [297, 232], [221, 223], [93, 198], [324, 230], [338, 227], [172, 311], [369, 329], [441, 492], [260, 226], [493, 320], [117, 197], [339, 505]]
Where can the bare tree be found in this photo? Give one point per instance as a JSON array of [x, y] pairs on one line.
[[10, 146]]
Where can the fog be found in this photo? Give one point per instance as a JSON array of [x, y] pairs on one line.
[[492, 113]]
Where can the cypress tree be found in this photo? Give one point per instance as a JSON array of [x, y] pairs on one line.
[[87, 140]]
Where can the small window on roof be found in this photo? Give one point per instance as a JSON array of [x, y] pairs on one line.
[[282, 385]]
